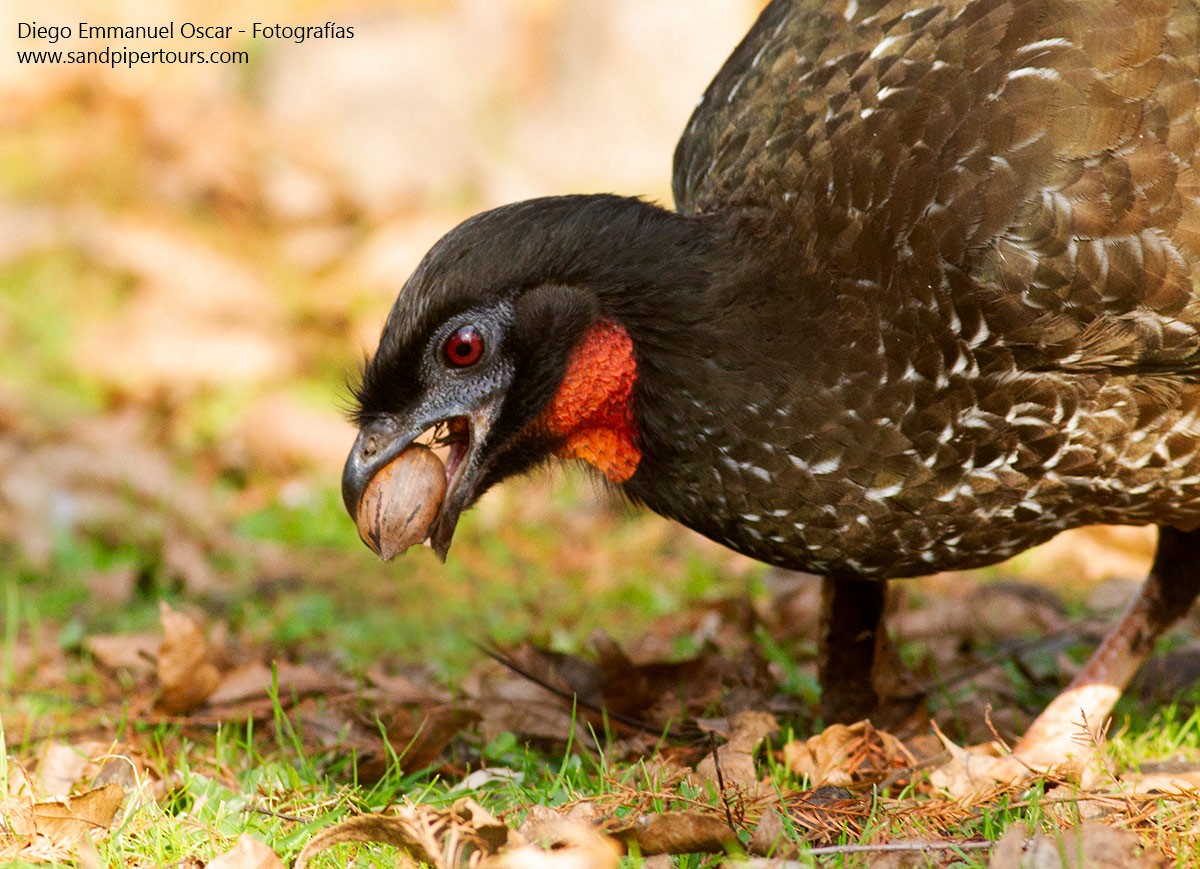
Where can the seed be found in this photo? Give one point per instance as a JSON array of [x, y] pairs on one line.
[[401, 502]]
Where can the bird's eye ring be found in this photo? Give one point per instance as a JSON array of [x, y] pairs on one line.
[[464, 347]]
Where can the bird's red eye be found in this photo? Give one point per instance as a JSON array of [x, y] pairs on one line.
[[464, 347]]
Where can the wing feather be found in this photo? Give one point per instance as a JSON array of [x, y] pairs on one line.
[[1044, 152]]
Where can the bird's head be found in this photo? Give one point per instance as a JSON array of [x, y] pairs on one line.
[[515, 341]]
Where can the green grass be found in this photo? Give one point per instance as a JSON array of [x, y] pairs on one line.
[[241, 778]]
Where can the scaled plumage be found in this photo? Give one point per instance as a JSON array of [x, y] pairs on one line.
[[931, 295]]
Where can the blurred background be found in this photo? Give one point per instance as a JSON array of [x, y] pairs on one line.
[[194, 261]]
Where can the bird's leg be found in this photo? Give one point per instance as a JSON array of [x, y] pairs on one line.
[[851, 629], [1170, 589]]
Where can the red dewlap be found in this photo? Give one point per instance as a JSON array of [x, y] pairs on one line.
[[591, 412]]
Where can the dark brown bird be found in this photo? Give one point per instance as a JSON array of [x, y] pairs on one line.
[[930, 295]]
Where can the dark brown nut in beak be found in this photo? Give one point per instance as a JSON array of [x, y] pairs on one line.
[[401, 502]]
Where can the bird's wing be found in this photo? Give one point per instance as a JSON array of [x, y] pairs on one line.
[[1104, 258], [1042, 153]]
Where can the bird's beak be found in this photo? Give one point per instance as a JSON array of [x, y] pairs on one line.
[[378, 443], [382, 440]]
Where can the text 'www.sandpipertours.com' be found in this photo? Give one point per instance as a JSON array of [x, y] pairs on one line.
[[126, 55]]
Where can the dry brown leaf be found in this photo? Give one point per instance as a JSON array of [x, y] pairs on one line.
[[725, 626], [544, 826], [1175, 781], [69, 821], [185, 558], [86, 855], [577, 846], [256, 680], [638, 697], [186, 675], [401, 688], [17, 815], [249, 681], [824, 815], [976, 770], [59, 767], [771, 838], [419, 735], [736, 757], [1091, 845], [676, 833], [407, 830], [509, 702], [120, 770], [971, 611], [443, 838], [841, 754], [660, 691], [247, 853], [133, 653]]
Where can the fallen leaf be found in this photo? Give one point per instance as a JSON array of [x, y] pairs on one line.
[[732, 764], [976, 770], [1091, 845], [59, 767], [118, 770], [67, 822], [540, 693], [977, 612], [543, 825], [822, 815], [247, 853], [132, 653], [676, 833], [724, 626], [186, 675], [418, 736], [1147, 781], [483, 777], [86, 854], [185, 558], [507, 702], [256, 680], [444, 838], [409, 830], [842, 754], [771, 837], [401, 688], [577, 846]]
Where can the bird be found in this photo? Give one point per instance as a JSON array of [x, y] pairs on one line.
[[928, 296]]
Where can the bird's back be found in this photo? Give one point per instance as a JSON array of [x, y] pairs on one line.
[[976, 231]]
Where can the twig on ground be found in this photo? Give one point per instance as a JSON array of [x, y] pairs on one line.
[[712, 741], [888, 847]]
